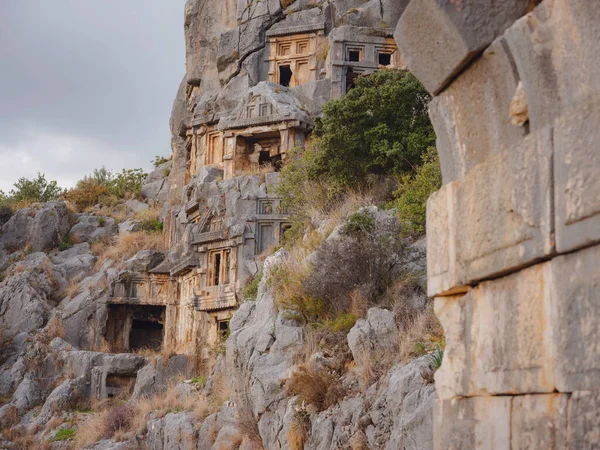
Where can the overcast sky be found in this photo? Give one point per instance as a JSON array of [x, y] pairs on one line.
[[86, 83]]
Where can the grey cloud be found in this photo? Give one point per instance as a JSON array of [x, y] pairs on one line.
[[102, 74]]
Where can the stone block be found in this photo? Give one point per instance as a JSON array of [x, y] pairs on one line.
[[472, 423], [539, 421], [494, 221], [503, 211], [576, 319], [441, 260], [577, 178], [438, 38], [556, 53], [583, 431], [471, 118], [496, 341]]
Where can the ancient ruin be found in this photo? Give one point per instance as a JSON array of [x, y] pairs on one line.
[[514, 233], [233, 148], [513, 249]]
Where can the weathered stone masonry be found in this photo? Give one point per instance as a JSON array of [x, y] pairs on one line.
[[514, 233]]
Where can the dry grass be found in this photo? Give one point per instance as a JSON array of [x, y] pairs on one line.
[[170, 401], [246, 422], [128, 245], [72, 289], [317, 387], [297, 434], [54, 423], [91, 430], [147, 214], [5, 342], [55, 327], [23, 438], [422, 335], [103, 346], [122, 421], [359, 441]]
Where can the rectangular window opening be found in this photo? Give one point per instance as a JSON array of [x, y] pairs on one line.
[[354, 55], [217, 269], [384, 59], [223, 328], [285, 75]]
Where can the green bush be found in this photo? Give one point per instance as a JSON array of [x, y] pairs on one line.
[[152, 226], [251, 291], [66, 243], [159, 161], [342, 323], [360, 222], [414, 190], [37, 190], [128, 183], [6, 213], [380, 127], [200, 381], [63, 434]]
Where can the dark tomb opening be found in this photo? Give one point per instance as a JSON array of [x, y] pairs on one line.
[[134, 327], [285, 75], [146, 334], [266, 159], [385, 59], [217, 269], [223, 328], [354, 55], [350, 79], [119, 384]]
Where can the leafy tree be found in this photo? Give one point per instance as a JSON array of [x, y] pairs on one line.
[[101, 176], [127, 183], [380, 127], [159, 160], [87, 193], [37, 190], [414, 190]]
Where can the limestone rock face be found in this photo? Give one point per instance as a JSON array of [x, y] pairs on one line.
[[41, 226], [90, 228], [377, 331], [27, 297]]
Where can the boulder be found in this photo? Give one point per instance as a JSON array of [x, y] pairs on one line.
[[26, 296], [144, 260], [375, 333], [41, 226], [173, 432], [65, 395], [130, 226], [76, 263], [438, 38], [90, 227], [156, 377], [136, 207], [30, 393]]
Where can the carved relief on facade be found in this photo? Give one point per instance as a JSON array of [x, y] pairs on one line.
[[354, 56], [292, 60]]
